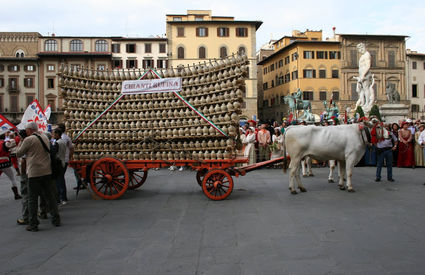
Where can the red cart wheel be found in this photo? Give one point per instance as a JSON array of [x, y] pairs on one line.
[[217, 185], [200, 175], [137, 178], [109, 178]]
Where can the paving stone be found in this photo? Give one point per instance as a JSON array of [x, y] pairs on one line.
[[169, 227]]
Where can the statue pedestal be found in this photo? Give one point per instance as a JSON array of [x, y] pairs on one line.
[[393, 112]]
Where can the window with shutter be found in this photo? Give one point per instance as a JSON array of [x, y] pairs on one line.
[[353, 56], [180, 31], [202, 52], [372, 58], [223, 52], [148, 48], [241, 32], [322, 95], [309, 73], [242, 51], [180, 53], [130, 48], [222, 32], [354, 94], [414, 90], [14, 103], [308, 95], [391, 59], [202, 32], [116, 48], [162, 48]]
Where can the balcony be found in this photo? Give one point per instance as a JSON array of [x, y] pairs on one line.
[[13, 89]]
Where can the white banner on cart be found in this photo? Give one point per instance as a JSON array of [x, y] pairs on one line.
[[162, 85]]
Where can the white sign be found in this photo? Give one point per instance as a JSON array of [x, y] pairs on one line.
[[162, 85]]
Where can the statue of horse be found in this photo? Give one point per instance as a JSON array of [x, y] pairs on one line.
[[296, 103]]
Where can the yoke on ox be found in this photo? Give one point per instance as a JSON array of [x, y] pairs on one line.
[[344, 143]]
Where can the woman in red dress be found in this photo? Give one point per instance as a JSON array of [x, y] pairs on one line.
[[406, 157]]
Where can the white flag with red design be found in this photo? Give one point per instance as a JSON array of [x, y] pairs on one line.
[[34, 113], [48, 112], [5, 125]]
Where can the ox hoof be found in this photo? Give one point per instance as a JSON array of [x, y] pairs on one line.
[[341, 187], [294, 192], [331, 181], [311, 175], [351, 190], [304, 176], [302, 189]]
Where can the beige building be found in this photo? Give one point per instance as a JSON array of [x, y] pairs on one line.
[[88, 52], [198, 36], [265, 51], [139, 53], [388, 54], [415, 70], [18, 72], [301, 61]]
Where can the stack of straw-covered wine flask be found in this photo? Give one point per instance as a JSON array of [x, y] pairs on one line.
[[156, 126]]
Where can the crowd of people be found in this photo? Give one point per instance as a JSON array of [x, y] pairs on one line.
[[43, 185], [264, 141]]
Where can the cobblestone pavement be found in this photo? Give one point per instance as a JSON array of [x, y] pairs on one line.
[[169, 226]]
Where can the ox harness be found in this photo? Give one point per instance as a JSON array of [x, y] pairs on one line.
[[367, 133]]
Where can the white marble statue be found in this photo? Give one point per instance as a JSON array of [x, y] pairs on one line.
[[365, 80]]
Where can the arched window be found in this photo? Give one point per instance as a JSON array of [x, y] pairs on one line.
[[242, 51], [101, 46], [76, 45], [51, 45], [223, 52], [202, 53], [20, 53], [180, 53]]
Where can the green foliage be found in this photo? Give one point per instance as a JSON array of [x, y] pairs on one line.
[[375, 112], [359, 111]]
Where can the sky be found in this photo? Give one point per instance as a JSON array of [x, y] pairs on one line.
[[144, 18]]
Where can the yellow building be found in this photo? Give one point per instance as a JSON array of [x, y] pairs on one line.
[[301, 61], [198, 36]]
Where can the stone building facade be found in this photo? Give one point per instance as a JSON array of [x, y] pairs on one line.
[[264, 52], [139, 53], [197, 36], [388, 54], [415, 70], [19, 72], [301, 61], [78, 52]]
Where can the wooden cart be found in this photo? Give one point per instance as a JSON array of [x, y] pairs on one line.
[[109, 177]]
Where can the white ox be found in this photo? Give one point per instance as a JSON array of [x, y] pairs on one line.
[[343, 143]]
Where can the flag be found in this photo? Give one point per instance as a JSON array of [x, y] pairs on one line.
[[48, 112], [5, 125], [291, 116], [34, 113]]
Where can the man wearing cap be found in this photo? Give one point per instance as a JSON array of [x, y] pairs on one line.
[[35, 147]]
